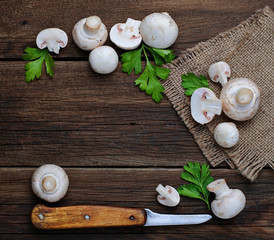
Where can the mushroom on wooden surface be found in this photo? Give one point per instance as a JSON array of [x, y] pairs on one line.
[[89, 33], [159, 30], [241, 99], [219, 72], [50, 182], [126, 35], [204, 105], [168, 196], [52, 38], [228, 202]]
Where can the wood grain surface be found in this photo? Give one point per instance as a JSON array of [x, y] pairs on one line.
[[114, 142]]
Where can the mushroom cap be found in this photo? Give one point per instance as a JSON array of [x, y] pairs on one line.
[[173, 196], [216, 69], [103, 59], [126, 35], [48, 35], [196, 105], [226, 134], [50, 182], [241, 99], [159, 30], [89, 33]]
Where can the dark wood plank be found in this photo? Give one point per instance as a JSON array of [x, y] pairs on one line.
[[80, 118], [136, 188], [197, 20]]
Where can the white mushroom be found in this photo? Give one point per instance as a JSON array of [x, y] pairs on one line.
[[204, 105], [89, 33], [226, 134], [50, 182], [103, 59], [52, 38], [126, 35], [168, 196], [228, 202], [159, 30], [219, 72], [241, 99]]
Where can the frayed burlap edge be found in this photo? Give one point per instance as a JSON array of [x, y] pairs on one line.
[[248, 165]]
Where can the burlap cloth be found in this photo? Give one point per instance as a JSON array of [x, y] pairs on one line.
[[249, 50]]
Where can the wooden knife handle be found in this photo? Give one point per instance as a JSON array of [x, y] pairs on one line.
[[86, 216]]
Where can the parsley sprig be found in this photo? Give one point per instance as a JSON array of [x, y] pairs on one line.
[[148, 81], [199, 178], [34, 68], [191, 82]]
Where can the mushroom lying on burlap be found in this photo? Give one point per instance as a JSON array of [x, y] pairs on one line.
[[50, 182], [219, 72], [126, 35], [52, 38], [226, 134], [168, 196], [89, 33], [241, 99], [204, 105]]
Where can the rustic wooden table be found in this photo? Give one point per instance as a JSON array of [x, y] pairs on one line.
[[115, 144]]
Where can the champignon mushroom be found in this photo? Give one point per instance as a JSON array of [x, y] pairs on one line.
[[241, 99], [219, 72], [226, 134], [126, 35], [168, 196], [50, 182], [103, 59], [52, 38], [228, 202], [89, 33], [159, 30], [204, 105]]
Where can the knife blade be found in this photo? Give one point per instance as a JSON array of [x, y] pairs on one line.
[[86, 216]]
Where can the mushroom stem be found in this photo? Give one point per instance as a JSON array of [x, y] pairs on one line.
[[212, 105], [49, 183], [163, 191], [131, 27], [92, 25], [222, 78], [219, 187], [53, 46], [244, 96]]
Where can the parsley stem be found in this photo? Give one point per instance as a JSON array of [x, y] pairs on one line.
[[144, 50]]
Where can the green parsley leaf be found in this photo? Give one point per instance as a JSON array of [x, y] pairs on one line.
[[34, 68], [148, 80], [199, 178], [191, 82]]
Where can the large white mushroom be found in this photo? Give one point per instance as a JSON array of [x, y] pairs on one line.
[[52, 38], [241, 99], [103, 59], [204, 105], [228, 202], [126, 35], [50, 182], [159, 30], [89, 33]]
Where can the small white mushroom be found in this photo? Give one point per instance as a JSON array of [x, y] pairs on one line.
[[168, 196], [50, 182], [126, 35], [204, 105], [89, 33], [219, 72], [226, 134], [103, 59], [52, 38], [159, 30], [241, 99], [228, 202]]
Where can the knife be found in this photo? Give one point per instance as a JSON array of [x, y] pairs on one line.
[[105, 216]]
